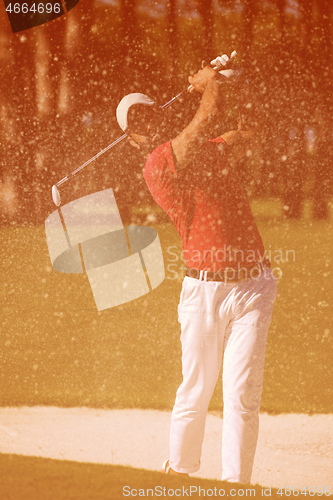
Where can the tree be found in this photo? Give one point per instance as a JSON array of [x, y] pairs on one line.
[[172, 38], [206, 12]]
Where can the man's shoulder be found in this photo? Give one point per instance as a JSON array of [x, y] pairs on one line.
[[158, 161], [157, 156], [160, 150]]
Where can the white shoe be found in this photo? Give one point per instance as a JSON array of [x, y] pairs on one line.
[[165, 467]]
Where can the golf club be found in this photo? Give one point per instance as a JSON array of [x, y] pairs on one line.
[[219, 64], [55, 191]]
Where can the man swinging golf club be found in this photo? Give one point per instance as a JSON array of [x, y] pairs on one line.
[[228, 292]]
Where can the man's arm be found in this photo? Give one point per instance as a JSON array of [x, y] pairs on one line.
[[186, 145]]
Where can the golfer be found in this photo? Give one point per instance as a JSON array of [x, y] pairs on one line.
[[228, 292]]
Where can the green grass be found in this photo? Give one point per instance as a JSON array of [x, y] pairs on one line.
[[57, 349], [45, 479]]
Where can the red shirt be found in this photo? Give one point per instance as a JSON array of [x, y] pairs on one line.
[[207, 206]]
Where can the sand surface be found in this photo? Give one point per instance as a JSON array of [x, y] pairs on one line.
[[293, 450]]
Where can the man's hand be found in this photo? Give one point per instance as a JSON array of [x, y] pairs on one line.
[[227, 67], [226, 71]]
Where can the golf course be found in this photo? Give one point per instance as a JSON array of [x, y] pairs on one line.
[[59, 351]]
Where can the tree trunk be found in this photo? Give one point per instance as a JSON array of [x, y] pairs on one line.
[[172, 38], [248, 21], [206, 13], [128, 32]]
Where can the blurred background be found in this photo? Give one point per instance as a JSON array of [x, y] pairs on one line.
[[60, 86], [61, 83]]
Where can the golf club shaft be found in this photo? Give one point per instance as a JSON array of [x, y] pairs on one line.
[[92, 159], [55, 192], [62, 181], [167, 104]]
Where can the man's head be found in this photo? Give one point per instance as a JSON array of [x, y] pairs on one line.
[[140, 118]]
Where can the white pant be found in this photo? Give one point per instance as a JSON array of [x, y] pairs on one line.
[[216, 317]]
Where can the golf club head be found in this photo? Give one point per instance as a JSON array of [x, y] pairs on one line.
[[56, 195]]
